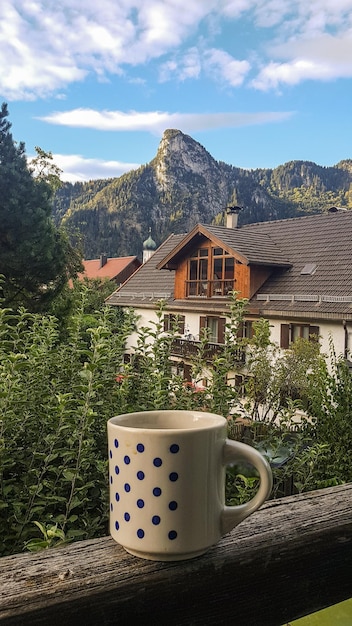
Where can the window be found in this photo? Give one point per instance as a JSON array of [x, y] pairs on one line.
[[223, 273], [198, 273], [211, 273], [246, 330], [240, 385], [291, 332], [215, 326], [174, 323]]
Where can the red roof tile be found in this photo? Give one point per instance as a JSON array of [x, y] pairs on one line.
[[112, 268]]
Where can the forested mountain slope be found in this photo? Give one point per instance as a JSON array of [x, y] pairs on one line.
[[184, 185]]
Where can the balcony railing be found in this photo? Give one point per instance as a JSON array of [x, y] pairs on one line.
[[209, 288], [186, 348], [289, 559]]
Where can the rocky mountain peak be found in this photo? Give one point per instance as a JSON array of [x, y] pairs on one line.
[[179, 151]]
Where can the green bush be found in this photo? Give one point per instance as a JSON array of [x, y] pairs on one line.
[[61, 380], [55, 399]]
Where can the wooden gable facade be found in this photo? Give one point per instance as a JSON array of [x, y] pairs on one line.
[[207, 267]]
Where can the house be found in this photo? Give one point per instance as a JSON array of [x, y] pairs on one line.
[[116, 269], [294, 272]]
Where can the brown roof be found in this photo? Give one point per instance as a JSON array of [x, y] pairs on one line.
[[311, 259], [112, 268], [148, 284], [252, 248], [320, 279]]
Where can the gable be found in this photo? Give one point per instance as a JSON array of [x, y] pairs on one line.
[[259, 249]]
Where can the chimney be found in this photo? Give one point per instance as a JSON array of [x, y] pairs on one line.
[[103, 260], [232, 216]]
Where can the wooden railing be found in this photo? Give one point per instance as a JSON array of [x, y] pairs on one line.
[[186, 348], [209, 288], [290, 558]]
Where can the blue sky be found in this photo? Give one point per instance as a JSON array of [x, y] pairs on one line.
[[256, 82]]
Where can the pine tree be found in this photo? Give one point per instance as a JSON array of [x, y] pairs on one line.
[[36, 258]]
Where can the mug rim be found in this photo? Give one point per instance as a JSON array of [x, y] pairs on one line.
[[148, 421]]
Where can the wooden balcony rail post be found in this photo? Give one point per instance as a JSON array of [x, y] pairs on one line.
[[290, 558]]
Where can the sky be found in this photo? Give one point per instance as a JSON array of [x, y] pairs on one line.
[[258, 83]]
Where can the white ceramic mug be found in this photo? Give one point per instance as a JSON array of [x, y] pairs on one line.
[[167, 482]]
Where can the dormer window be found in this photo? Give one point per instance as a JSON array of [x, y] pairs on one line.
[[211, 273]]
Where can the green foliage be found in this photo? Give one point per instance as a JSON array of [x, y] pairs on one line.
[[44, 168], [275, 378], [330, 411], [315, 452], [223, 392], [52, 536], [59, 387], [94, 292], [36, 257], [239, 488], [55, 399]]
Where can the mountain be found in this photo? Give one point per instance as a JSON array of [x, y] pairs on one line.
[[184, 185]]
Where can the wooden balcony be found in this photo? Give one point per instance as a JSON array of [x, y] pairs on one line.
[[209, 288], [185, 349], [289, 559]]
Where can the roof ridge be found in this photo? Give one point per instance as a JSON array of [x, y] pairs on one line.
[[296, 218]]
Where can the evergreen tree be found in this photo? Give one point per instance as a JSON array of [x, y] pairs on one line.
[[36, 258]]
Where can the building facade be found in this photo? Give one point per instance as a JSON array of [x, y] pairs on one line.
[[296, 273]]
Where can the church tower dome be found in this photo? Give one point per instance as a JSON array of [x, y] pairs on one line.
[[149, 247]]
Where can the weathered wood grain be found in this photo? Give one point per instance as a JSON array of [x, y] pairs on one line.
[[290, 558]]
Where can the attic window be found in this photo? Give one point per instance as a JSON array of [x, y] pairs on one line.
[[309, 269]]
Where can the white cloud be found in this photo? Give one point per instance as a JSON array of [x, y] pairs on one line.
[[47, 46], [312, 41], [191, 64], [188, 66], [217, 64], [77, 168], [324, 58], [276, 74], [157, 122], [223, 66]]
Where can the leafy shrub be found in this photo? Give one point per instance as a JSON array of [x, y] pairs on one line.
[[55, 399], [60, 383]]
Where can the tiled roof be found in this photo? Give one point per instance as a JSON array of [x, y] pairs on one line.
[[112, 268], [320, 244], [148, 284], [311, 258], [255, 247]]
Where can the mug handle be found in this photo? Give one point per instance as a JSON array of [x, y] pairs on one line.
[[233, 452]]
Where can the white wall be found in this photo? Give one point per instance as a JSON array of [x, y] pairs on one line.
[[334, 329], [192, 328], [145, 317]]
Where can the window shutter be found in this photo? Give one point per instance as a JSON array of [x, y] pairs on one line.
[[285, 336], [202, 325], [314, 330], [221, 330], [181, 324]]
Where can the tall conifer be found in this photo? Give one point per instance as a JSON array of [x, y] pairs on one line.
[[36, 258]]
